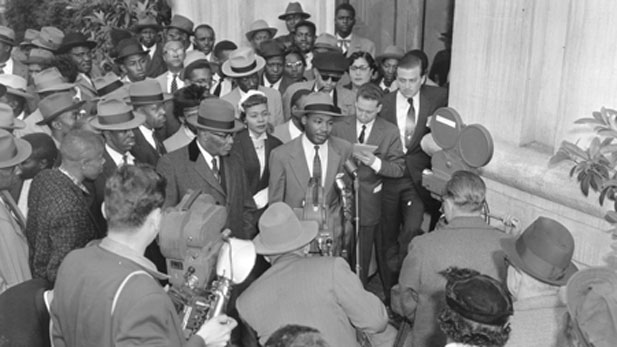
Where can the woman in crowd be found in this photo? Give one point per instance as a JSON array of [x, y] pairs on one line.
[[293, 70], [362, 69]]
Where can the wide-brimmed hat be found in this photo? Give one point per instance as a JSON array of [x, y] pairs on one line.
[[216, 115], [391, 52], [192, 57], [128, 47], [15, 85], [294, 8], [280, 230], [147, 22], [327, 41], [259, 25], [146, 92], [8, 120], [271, 48], [179, 21], [56, 104], [50, 80], [243, 62], [320, 103], [592, 305], [333, 62], [39, 56], [50, 38], [29, 35], [110, 86], [75, 39], [12, 150], [7, 35], [543, 251], [115, 114]]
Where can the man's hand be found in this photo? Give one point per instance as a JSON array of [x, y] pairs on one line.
[[365, 157], [216, 332]]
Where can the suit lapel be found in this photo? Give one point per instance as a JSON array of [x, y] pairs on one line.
[[201, 167], [333, 159], [376, 133], [299, 166]]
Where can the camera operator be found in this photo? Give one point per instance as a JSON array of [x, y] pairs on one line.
[[108, 294]]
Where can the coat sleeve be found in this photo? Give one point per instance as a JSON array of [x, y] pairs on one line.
[[405, 293], [276, 186], [66, 230], [364, 310], [166, 169], [393, 160], [249, 212]]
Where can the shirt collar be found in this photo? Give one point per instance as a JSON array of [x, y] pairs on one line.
[[254, 137], [207, 156], [118, 248], [73, 179], [348, 38], [116, 156], [309, 145]]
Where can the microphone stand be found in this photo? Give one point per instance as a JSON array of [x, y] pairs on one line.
[[352, 169]]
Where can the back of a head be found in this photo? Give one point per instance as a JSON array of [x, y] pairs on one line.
[[78, 144], [296, 336], [370, 91], [466, 190], [43, 147], [224, 45], [131, 194]]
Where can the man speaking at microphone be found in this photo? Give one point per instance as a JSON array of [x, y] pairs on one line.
[[365, 128], [315, 154]]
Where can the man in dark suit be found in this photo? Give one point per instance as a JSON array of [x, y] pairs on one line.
[[147, 30], [404, 199], [274, 54], [315, 154], [206, 164], [148, 100], [386, 161]]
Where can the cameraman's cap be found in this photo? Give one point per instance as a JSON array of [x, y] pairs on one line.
[[332, 62], [280, 230]]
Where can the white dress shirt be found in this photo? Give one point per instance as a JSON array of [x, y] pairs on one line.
[[22, 203], [309, 153], [293, 130], [118, 158], [276, 84], [393, 87], [339, 41], [169, 78], [8, 66], [150, 50], [402, 106], [148, 135], [376, 166], [259, 142], [208, 158]]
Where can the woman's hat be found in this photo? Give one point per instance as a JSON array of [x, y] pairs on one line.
[[146, 92], [114, 114], [75, 39], [12, 150], [8, 120], [216, 115], [56, 104], [294, 8], [260, 25], [280, 230], [544, 251], [320, 103], [243, 62]]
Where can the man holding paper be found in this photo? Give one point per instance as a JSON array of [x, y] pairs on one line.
[[378, 153]]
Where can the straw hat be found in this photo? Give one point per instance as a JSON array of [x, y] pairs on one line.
[[280, 230], [12, 150], [216, 115], [109, 86], [114, 114], [243, 62], [50, 38]]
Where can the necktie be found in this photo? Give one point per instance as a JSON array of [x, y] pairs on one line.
[[386, 91], [174, 83], [361, 137], [217, 90], [2, 66], [215, 169], [317, 166], [344, 45], [125, 158], [410, 123]]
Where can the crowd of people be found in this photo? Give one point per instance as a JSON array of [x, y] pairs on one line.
[[93, 153]]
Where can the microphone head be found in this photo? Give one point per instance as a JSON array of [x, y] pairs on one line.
[[339, 180], [350, 166]]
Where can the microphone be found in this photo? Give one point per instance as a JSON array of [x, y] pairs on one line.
[[351, 167], [342, 187]]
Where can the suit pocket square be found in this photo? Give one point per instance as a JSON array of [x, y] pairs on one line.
[[378, 188]]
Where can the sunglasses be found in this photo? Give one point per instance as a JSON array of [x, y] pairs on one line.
[[326, 76]]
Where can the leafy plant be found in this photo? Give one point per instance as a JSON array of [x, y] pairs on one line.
[[595, 167]]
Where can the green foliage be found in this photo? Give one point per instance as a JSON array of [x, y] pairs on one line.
[[22, 14]]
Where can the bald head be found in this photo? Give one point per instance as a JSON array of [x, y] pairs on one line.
[[78, 145]]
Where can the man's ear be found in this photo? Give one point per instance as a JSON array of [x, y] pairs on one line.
[[303, 120], [379, 108], [55, 124]]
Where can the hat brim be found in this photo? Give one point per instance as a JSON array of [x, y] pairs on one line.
[[142, 52], [52, 117], [66, 48], [24, 149], [272, 31], [260, 62], [7, 41], [179, 28], [138, 120], [309, 232], [192, 120], [327, 113], [166, 97], [303, 14], [389, 56], [17, 124], [57, 87], [508, 245], [18, 92], [579, 284], [138, 27]]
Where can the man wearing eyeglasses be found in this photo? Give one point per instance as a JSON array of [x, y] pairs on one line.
[[328, 68]]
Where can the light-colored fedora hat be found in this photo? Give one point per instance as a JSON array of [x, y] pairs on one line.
[[391, 52], [216, 115], [51, 80], [8, 120], [146, 92], [260, 25], [543, 251], [294, 8], [12, 150], [280, 231], [320, 103], [29, 35], [15, 85], [179, 21], [7, 35], [109, 86], [328, 42], [50, 38], [243, 62], [56, 104], [39, 56], [115, 114]]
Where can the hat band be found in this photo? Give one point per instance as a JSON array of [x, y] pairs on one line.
[[322, 107], [245, 68], [147, 98], [215, 123], [110, 88], [4, 37], [538, 265], [116, 118], [478, 317]]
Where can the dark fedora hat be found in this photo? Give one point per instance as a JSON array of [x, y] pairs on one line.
[[543, 251], [13, 150], [280, 230], [147, 22], [115, 114], [294, 8], [216, 115], [128, 47], [320, 103], [146, 92], [75, 39], [330, 61], [271, 48], [56, 104]]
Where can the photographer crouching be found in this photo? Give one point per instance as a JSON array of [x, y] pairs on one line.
[[108, 294]]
